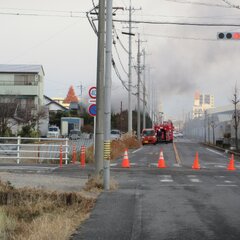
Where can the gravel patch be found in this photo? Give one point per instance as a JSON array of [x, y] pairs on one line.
[[46, 182]]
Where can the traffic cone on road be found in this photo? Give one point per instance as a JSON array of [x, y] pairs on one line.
[[161, 162], [83, 156], [125, 161], [231, 166], [196, 164]]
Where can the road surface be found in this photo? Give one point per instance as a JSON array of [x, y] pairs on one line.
[[175, 203]]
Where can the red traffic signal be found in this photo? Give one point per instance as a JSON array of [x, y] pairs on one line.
[[228, 35]]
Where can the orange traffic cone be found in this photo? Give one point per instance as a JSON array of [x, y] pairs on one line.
[[125, 161], [196, 164], [83, 156], [231, 166], [161, 162]]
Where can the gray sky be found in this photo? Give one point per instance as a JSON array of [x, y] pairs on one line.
[[182, 59]]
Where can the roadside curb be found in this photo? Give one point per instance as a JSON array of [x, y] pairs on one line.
[[221, 149]]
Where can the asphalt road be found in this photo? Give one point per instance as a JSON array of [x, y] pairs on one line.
[[175, 203]]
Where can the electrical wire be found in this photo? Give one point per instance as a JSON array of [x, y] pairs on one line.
[[198, 3], [115, 47], [119, 40], [177, 37], [231, 5], [182, 23], [118, 74]]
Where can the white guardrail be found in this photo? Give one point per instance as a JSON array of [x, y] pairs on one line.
[[39, 150]]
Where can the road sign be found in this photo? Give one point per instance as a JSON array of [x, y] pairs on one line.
[[92, 101], [92, 110], [92, 92]]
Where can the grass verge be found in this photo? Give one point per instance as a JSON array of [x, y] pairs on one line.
[[36, 214]]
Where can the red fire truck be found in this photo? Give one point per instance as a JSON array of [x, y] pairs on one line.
[[164, 131]]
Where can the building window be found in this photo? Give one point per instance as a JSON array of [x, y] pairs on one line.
[[24, 79]]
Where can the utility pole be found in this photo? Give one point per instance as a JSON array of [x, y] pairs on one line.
[[130, 34], [99, 153], [108, 82], [130, 71], [138, 90], [144, 89]]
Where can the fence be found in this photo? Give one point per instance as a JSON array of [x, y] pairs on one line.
[[21, 149]]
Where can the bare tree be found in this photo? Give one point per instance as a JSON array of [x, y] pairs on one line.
[[26, 115], [7, 111], [236, 114]]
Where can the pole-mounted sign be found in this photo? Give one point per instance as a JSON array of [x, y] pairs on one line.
[[92, 109], [92, 92]]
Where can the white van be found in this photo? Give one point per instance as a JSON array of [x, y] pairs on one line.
[[53, 132]]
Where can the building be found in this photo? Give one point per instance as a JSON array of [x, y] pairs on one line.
[[21, 90], [54, 106], [24, 83], [202, 102]]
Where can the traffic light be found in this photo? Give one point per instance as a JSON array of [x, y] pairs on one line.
[[228, 35]]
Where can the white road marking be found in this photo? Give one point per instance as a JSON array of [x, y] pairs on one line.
[[177, 165], [196, 180], [137, 150], [179, 185], [210, 150], [113, 164], [166, 178], [227, 181], [226, 185], [154, 164], [220, 166], [191, 176]]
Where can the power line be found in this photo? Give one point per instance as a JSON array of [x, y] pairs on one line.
[[41, 15], [177, 37], [181, 23], [118, 74], [41, 10], [198, 3], [118, 55], [117, 36], [231, 5]]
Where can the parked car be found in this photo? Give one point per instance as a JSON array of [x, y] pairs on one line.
[[75, 134], [177, 134], [53, 132], [115, 134]]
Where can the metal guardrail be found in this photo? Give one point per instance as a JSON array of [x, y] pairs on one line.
[[39, 149], [21, 149]]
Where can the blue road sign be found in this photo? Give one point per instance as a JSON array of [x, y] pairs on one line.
[[92, 110]]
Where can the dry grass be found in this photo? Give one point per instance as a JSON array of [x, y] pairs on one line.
[[117, 147], [37, 214], [95, 184]]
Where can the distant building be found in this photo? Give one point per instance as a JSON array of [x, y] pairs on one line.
[[60, 100], [22, 82], [202, 102], [22, 85]]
